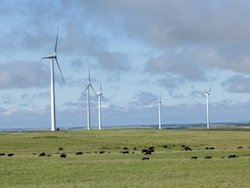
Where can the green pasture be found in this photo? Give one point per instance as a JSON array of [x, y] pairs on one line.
[[166, 167]]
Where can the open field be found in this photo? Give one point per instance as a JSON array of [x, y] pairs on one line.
[[168, 166]]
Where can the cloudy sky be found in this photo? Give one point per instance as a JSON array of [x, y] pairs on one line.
[[140, 49]]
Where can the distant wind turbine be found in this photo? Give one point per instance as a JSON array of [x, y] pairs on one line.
[[159, 109], [52, 58], [207, 93], [88, 85], [99, 96]]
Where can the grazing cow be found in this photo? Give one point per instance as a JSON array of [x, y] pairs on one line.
[[63, 155], [208, 157], [60, 149], [232, 156], [135, 149], [147, 152], [125, 152], [101, 152], [10, 155], [145, 158], [125, 148], [41, 154], [211, 148], [79, 153], [152, 149], [144, 150], [194, 157], [240, 147], [187, 148], [2, 154]]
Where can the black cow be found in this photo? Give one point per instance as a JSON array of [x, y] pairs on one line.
[[208, 157], [42, 154], [101, 152], [60, 149], [10, 155], [232, 156], [194, 157], [187, 148], [79, 153], [125, 148], [63, 155], [145, 158], [147, 152], [125, 152], [2, 154], [152, 149], [143, 150]]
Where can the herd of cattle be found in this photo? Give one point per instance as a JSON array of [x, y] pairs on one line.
[[125, 150]]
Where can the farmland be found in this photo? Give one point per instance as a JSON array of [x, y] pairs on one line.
[[103, 164]]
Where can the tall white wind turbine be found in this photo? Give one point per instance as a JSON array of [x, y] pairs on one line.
[[52, 58], [88, 86], [99, 96], [207, 93], [159, 111]]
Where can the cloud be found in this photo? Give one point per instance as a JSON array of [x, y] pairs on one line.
[[19, 74], [237, 84]]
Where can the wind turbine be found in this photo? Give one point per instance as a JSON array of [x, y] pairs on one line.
[[159, 109], [52, 58], [99, 96], [207, 93], [88, 85]]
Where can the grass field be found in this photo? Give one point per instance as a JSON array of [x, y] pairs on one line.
[[166, 167]]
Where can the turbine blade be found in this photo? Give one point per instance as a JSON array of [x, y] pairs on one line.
[[55, 51], [60, 70], [86, 88], [92, 89], [210, 88]]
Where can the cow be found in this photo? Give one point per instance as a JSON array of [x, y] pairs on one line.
[[194, 157], [147, 152], [165, 146], [135, 149], [10, 155], [145, 158], [211, 148], [2, 154], [240, 147], [208, 157], [125, 152], [125, 148], [60, 149], [63, 155], [48, 155], [79, 153], [187, 148], [152, 149], [232, 156], [144, 150], [41, 154], [101, 152]]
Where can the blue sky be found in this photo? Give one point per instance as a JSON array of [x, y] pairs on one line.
[[141, 49]]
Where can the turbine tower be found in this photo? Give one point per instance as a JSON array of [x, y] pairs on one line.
[[159, 109], [88, 85], [52, 58], [99, 96], [207, 93]]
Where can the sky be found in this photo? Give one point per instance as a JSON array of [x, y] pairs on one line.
[[139, 49]]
